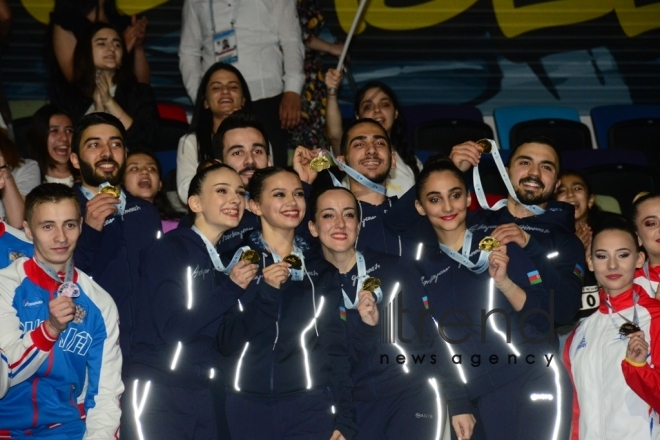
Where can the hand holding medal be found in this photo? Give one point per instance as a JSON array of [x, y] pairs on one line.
[[638, 347], [308, 163], [367, 307], [497, 263], [244, 271]]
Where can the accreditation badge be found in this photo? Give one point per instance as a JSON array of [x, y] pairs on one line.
[[225, 46]]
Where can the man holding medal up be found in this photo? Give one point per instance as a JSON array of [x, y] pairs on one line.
[[117, 225], [59, 332]]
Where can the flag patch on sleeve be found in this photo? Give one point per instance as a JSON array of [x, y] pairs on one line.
[[579, 272], [342, 313], [426, 302], [534, 277]]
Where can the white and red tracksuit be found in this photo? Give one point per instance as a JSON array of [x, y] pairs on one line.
[[615, 398]]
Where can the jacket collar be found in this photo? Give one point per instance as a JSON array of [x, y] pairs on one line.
[[41, 278]]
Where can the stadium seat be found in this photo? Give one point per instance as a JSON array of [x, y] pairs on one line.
[[440, 136], [21, 129], [581, 159], [416, 115], [604, 117], [622, 181], [507, 117], [169, 133], [641, 135], [566, 135]]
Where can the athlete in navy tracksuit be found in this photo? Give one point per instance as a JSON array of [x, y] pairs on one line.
[[13, 245], [277, 360], [181, 298], [394, 400], [494, 316]]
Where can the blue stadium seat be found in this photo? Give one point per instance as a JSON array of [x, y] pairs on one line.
[[605, 116], [507, 117]]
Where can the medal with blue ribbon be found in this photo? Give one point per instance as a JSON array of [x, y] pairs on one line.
[[490, 146], [364, 282], [114, 190], [353, 174], [464, 257], [295, 259], [215, 257]]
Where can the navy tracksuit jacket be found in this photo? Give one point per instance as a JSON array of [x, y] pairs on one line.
[[275, 322], [553, 246]]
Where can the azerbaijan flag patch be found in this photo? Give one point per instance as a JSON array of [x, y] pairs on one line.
[[579, 272], [426, 302], [534, 277], [342, 313]]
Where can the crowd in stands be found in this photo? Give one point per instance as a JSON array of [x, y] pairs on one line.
[[347, 290]]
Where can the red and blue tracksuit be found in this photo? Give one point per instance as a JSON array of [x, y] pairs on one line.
[[66, 387], [13, 245]]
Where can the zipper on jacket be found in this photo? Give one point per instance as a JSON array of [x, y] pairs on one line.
[[272, 352]]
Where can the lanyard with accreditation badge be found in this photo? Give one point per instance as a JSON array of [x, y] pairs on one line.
[[225, 43]]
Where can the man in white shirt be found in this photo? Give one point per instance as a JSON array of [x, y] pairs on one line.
[[262, 39]]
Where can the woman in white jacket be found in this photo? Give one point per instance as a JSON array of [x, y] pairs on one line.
[[617, 387]]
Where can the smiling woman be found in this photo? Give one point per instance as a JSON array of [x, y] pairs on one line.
[[104, 83]]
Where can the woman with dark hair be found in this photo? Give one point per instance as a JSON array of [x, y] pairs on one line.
[[185, 289], [103, 83], [386, 396], [142, 179], [470, 274], [283, 344], [646, 219], [221, 92], [375, 100], [611, 354], [49, 143], [17, 178], [73, 20]]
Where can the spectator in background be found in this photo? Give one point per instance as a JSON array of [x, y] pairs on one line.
[[646, 219], [49, 143], [310, 132], [5, 26], [377, 101], [142, 179], [17, 178], [103, 83], [222, 91], [72, 20], [265, 45]]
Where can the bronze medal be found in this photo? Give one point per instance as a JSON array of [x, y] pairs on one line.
[[371, 284], [486, 145], [109, 189], [488, 243], [628, 328], [251, 256], [319, 164], [294, 261]]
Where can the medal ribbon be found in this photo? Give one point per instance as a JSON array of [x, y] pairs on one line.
[[648, 277], [52, 273], [215, 257], [479, 189], [122, 197], [380, 189], [635, 317], [362, 275], [464, 257], [296, 274]]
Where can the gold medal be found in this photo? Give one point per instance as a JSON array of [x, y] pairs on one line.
[[319, 164], [371, 284], [109, 189], [488, 243], [294, 261], [251, 256], [486, 144]]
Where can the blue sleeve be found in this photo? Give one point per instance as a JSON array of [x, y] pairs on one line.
[[414, 292], [332, 336], [522, 272], [403, 219], [164, 274], [559, 273], [240, 326], [89, 245]]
